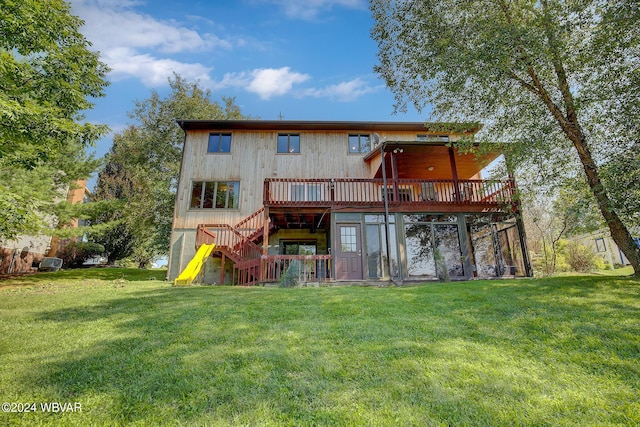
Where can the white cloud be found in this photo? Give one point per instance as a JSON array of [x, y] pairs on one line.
[[269, 82], [151, 71], [135, 45], [310, 9], [266, 82], [345, 91]]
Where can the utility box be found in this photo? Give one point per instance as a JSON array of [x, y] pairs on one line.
[[50, 264]]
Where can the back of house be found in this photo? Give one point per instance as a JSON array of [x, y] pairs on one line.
[[342, 201]]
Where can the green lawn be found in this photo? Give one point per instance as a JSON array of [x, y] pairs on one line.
[[132, 350]]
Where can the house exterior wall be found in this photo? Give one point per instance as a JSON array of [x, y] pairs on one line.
[[253, 158], [324, 154], [604, 247], [19, 255]]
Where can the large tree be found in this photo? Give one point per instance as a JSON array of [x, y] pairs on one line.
[[143, 166], [550, 77], [47, 75]]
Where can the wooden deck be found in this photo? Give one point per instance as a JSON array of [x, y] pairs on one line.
[[252, 265], [409, 194]]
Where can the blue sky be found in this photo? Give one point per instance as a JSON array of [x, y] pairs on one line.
[[303, 59]]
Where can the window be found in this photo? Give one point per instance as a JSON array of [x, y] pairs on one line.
[[288, 143], [432, 138], [348, 239], [214, 195], [305, 247], [219, 143], [359, 144], [600, 246]]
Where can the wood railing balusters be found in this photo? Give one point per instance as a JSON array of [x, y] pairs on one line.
[[355, 191]]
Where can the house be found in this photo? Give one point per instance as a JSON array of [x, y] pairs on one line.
[[604, 246], [21, 254], [319, 198]]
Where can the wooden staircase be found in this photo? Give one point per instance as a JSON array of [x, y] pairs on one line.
[[238, 243]]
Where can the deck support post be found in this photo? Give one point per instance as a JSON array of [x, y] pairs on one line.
[[222, 268], [454, 174], [386, 208], [265, 244]]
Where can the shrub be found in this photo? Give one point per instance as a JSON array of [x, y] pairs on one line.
[[290, 277], [74, 253], [582, 258]]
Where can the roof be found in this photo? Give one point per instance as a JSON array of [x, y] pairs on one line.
[[328, 125]]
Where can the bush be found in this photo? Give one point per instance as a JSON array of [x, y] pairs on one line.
[[582, 258], [74, 253], [290, 277]]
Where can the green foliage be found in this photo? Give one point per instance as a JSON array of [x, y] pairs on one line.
[[291, 276], [555, 81], [47, 74], [75, 253], [578, 208], [621, 173], [143, 166], [582, 258]]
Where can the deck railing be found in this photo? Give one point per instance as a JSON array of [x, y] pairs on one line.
[[297, 268], [371, 192], [228, 240], [289, 270]]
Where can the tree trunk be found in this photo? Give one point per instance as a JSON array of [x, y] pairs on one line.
[[619, 232], [571, 127]]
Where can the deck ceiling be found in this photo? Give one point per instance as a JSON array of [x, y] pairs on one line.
[[415, 162], [299, 220]]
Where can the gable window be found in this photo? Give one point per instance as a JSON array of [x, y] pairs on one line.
[[359, 144], [288, 143], [214, 194], [219, 143]]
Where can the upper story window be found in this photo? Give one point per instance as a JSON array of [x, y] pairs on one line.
[[219, 143], [288, 143], [215, 194], [359, 143], [432, 138]]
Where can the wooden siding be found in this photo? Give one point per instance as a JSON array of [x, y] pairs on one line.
[[253, 158]]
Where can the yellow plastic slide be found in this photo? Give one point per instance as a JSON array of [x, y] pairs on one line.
[[192, 270]]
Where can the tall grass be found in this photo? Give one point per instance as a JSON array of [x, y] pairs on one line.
[[556, 352]]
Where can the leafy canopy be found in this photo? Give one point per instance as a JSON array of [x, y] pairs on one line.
[[555, 80], [143, 167], [47, 75]]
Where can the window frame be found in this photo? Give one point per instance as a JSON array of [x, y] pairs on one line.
[[220, 143], [284, 243], [211, 202], [360, 145], [290, 150]]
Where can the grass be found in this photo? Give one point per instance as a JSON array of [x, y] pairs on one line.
[[135, 351]]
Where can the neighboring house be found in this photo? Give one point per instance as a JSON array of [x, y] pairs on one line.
[[274, 195], [604, 246], [22, 254]]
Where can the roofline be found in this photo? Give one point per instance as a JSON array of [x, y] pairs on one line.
[[294, 125]]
